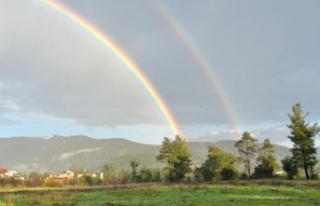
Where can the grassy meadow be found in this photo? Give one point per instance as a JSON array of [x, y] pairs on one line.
[[222, 193]]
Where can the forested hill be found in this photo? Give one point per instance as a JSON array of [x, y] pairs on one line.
[[59, 153]]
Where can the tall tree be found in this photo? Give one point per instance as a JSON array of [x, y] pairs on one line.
[[177, 156], [218, 161], [302, 136], [267, 161], [134, 164], [247, 147]]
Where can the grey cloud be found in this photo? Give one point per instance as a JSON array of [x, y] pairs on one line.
[[277, 134], [264, 63], [66, 73], [5, 122]]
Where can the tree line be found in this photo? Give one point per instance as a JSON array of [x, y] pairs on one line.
[[252, 161], [221, 165]]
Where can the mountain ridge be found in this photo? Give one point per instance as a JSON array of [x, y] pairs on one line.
[[60, 153]]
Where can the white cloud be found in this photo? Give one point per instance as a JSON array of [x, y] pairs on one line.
[[217, 135], [277, 133]]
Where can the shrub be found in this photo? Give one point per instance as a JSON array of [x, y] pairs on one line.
[[228, 174], [314, 176], [243, 176]]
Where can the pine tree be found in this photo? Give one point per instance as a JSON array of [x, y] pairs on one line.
[[267, 161], [218, 161], [302, 135], [247, 147], [177, 156], [134, 164]]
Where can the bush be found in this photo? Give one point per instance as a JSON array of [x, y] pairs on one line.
[[229, 174], [314, 176], [243, 176], [289, 167], [263, 172]]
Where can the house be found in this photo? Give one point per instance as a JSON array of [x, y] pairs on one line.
[[68, 175], [11, 173], [94, 175], [3, 172]]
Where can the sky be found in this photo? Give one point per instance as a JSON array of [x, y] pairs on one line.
[[221, 67]]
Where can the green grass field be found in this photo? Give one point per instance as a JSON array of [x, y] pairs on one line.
[[230, 193]]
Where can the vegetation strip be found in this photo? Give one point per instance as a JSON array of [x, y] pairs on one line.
[[227, 193]]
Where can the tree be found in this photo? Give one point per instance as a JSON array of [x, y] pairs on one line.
[[156, 175], [302, 135], [109, 172], [124, 176], [34, 179], [218, 161], [134, 164], [88, 180], [145, 174], [289, 167], [247, 147], [177, 157], [267, 161], [228, 173]]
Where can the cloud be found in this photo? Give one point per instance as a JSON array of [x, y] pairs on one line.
[[217, 135], [277, 134], [68, 155], [52, 67], [6, 122]]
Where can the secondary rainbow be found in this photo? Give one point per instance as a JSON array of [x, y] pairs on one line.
[[106, 41], [196, 54]]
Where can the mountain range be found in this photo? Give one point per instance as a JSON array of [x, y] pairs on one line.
[[58, 153]]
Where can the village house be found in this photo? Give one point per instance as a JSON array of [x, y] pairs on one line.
[[94, 175], [68, 175], [3, 172], [11, 173]]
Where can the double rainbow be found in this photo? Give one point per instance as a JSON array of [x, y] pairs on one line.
[[203, 65]]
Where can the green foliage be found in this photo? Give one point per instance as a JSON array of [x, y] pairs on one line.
[[288, 165], [243, 176], [314, 176], [88, 180], [156, 175], [267, 162], [228, 173], [145, 174], [217, 160], [232, 193], [302, 136], [134, 164], [109, 172], [247, 147], [177, 157], [124, 176], [34, 179]]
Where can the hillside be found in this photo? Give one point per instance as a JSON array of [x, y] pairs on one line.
[[59, 153]]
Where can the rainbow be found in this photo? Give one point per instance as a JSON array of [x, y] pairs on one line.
[[203, 64], [117, 51]]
